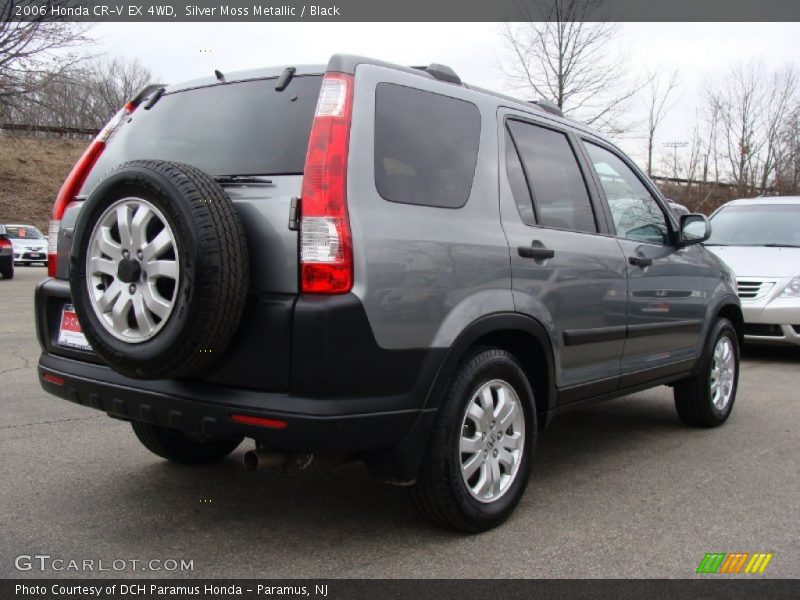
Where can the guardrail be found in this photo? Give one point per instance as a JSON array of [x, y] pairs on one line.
[[48, 129]]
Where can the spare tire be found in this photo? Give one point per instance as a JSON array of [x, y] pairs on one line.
[[158, 269]]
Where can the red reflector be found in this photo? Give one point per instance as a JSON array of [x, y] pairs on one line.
[[259, 421], [53, 379]]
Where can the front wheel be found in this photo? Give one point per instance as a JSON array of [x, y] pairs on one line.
[[706, 399], [478, 462], [181, 448]]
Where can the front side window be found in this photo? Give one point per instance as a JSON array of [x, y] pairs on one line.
[[426, 146], [637, 215], [560, 197]]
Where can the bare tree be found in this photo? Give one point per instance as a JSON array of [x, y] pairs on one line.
[[754, 107], [783, 88], [558, 54], [114, 82], [659, 98], [32, 53], [81, 97], [739, 97]]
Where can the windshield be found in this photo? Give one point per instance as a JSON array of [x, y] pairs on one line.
[[23, 232], [756, 225], [244, 128]]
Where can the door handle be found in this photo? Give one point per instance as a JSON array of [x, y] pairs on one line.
[[536, 251], [640, 261]]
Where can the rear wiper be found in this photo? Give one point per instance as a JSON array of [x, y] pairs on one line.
[[242, 180]]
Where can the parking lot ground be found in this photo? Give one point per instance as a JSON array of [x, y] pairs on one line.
[[620, 489]]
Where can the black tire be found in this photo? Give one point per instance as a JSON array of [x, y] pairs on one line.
[[213, 282], [440, 494], [7, 273], [178, 447], [693, 398]]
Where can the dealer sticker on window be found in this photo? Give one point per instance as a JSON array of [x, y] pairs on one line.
[[70, 334]]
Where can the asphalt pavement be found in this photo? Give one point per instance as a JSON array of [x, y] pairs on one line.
[[620, 489]]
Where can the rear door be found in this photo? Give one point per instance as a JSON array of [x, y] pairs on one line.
[[566, 271], [668, 286]]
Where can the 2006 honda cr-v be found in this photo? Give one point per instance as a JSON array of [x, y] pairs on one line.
[[377, 262]]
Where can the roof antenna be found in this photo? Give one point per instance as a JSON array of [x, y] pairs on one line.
[[220, 76]]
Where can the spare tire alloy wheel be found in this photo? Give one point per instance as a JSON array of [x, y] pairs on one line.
[[133, 270], [159, 270]]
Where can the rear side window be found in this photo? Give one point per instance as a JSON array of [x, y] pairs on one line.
[[244, 128], [519, 186], [560, 196], [426, 146]]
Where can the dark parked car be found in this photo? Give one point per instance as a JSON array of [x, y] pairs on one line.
[[6, 255], [368, 261]]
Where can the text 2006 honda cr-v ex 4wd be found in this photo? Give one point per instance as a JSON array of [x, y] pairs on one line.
[[366, 261]]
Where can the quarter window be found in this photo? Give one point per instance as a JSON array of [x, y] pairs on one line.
[[637, 215], [560, 197], [519, 187], [426, 146]]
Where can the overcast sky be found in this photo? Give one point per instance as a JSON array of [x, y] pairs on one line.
[[181, 51]]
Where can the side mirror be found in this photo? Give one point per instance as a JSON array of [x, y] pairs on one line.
[[695, 229]]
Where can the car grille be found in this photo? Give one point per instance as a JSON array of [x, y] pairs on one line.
[[763, 330], [752, 290]]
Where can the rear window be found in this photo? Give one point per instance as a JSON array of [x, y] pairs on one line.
[[244, 128], [426, 146]]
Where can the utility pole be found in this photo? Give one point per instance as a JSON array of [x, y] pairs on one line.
[[675, 146]]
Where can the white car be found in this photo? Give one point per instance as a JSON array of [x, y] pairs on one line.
[[30, 246], [759, 239]]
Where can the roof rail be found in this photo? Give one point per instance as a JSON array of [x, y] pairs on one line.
[[549, 106], [441, 72]]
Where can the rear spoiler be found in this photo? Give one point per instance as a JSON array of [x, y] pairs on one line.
[[144, 93]]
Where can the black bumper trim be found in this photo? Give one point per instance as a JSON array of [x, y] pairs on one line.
[[358, 425]]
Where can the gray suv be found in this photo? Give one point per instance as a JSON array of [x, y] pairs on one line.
[[368, 261]]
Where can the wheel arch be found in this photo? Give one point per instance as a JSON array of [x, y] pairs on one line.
[[521, 335], [733, 312]]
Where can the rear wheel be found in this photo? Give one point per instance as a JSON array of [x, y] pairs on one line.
[[706, 399], [8, 273], [478, 461], [181, 448]]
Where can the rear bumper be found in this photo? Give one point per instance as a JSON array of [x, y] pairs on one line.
[[340, 425]]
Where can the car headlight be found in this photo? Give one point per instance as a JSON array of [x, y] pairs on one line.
[[792, 289]]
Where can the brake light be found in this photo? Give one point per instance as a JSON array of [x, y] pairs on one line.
[[4, 243], [326, 253], [75, 180]]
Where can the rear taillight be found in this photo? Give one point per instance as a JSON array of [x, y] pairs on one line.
[[74, 182], [326, 253], [4, 243]]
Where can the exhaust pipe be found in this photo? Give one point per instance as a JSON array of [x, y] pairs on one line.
[[263, 458]]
